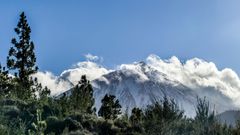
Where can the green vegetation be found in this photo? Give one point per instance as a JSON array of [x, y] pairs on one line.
[[82, 99], [22, 60], [27, 108], [110, 108]]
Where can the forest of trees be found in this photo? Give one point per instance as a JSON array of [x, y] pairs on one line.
[[27, 108]]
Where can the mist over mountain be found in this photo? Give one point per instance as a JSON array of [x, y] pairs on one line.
[[142, 83]]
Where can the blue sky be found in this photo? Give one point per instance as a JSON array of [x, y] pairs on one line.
[[123, 31]]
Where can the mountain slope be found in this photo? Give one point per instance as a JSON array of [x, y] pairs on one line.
[[229, 117], [140, 84]]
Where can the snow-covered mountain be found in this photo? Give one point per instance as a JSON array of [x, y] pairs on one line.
[[142, 83], [139, 84]]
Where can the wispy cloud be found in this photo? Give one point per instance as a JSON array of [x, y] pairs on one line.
[[94, 58]]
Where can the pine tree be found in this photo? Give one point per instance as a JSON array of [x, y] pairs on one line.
[[203, 113], [43, 92], [205, 119], [22, 58], [82, 97], [136, 116], [64, 106], [162, 117], [5, 82], [110, 108]]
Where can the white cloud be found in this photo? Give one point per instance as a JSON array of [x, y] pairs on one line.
[[91, 69], [55, 84], [130, 69], [70, 77], [197, 73], [90, 57]]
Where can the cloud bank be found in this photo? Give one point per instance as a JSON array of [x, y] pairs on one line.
[[54, 83], [194, 73], [70, 77], [91, 69], [198, 74]]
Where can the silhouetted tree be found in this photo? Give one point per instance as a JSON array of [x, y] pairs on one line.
[[82, 96], [5, 82], [110, 108], [203, 114], [205, 120], [236, 131], [64, 105], [136, 116], [22, 59], [160, 117]]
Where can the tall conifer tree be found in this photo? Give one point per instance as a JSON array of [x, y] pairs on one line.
[[110, 108], [82, 96], [22, 59]]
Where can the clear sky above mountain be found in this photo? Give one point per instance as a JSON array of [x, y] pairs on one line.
[[125, 31]]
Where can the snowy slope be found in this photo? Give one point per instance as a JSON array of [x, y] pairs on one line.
[[139, 84]]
